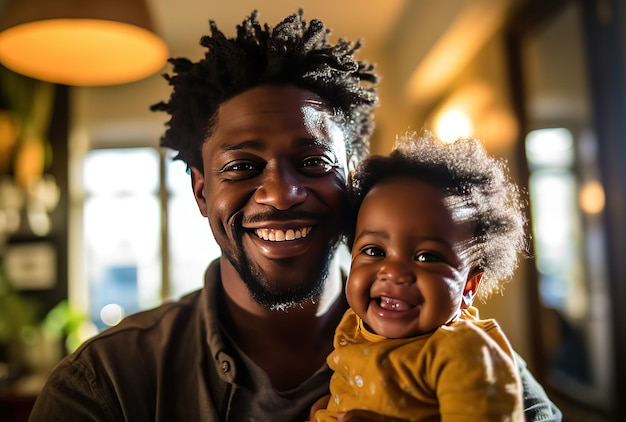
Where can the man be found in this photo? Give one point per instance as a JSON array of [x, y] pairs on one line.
[[269, 123]]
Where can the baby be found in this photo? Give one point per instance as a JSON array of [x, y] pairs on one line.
[[438, 224]]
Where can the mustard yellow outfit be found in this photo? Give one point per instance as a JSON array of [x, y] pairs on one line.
[[464, 371]]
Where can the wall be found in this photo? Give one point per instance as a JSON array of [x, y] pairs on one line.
[[482, 88]]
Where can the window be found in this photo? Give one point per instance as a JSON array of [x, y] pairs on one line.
[[144, 240], [567, 204]]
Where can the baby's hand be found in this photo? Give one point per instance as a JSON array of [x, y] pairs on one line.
[[318, 405], [358, 415]]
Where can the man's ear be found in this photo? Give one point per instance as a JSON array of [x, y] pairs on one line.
[[470, 289], [197, 184], [353, 163], [351, 172]]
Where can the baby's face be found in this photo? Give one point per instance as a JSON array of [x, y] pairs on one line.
[[408, 273]]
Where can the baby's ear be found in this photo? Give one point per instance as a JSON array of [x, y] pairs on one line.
[[470, 289]]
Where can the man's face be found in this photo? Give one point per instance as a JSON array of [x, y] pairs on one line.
[[274, 190]]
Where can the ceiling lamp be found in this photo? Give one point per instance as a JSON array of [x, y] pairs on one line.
[[80, 42]]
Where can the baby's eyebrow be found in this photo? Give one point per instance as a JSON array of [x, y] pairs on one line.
[[376, 233]]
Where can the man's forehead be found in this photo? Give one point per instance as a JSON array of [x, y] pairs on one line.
[[322, 124], [268, 105], [278, 94], [279, 110]]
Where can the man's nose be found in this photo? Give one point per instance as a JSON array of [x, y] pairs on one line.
[[396, 271], [282, 188]]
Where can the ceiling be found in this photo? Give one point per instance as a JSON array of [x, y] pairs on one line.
[[418, 45], [183, 22], [379, 23], [424, 40], [429, 35]]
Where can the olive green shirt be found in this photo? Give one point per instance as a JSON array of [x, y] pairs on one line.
[[171, 363], [174, 363]]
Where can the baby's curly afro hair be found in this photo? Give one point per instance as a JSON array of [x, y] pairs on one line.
[[478, 191]]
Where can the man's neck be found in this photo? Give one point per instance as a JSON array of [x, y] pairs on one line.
[[290, 344]]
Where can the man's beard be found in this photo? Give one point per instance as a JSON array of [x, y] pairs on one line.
[[281, 297]]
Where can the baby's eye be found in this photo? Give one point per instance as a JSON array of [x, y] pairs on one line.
[[372, 251], [428, 257]]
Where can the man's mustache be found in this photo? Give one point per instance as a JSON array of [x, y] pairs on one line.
[[280, 215]]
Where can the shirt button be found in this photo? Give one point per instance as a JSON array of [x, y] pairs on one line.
[[225, 366]]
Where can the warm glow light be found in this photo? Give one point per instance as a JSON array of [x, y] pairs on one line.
[[452, 52], [591, 197], [452, 124], [82, 51]]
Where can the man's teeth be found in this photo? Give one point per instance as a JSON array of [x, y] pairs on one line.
[[276, 235]]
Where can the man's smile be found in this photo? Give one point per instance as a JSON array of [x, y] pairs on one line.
[[279, 235]]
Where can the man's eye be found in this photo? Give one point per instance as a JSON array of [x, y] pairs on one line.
[[317, 165], [428, 257], [239, 170], [372, 251], [240, 167]]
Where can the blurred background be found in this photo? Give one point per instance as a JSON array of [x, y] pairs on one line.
[[97, 222]]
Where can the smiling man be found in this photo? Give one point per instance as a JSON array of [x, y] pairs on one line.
[[270, 123], [274, 189]]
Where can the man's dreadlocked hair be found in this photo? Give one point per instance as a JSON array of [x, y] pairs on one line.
[[478, 191], [291, 53]]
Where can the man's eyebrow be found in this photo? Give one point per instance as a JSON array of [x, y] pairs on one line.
[[312, 102], [316, 142], [250, 144], [298, 143]]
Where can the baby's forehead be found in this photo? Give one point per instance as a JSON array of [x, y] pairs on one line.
[[402, 187], [450, 195], [415, 207], [409, 182]]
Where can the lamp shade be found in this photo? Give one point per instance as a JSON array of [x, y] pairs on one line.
[[80, 42]]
